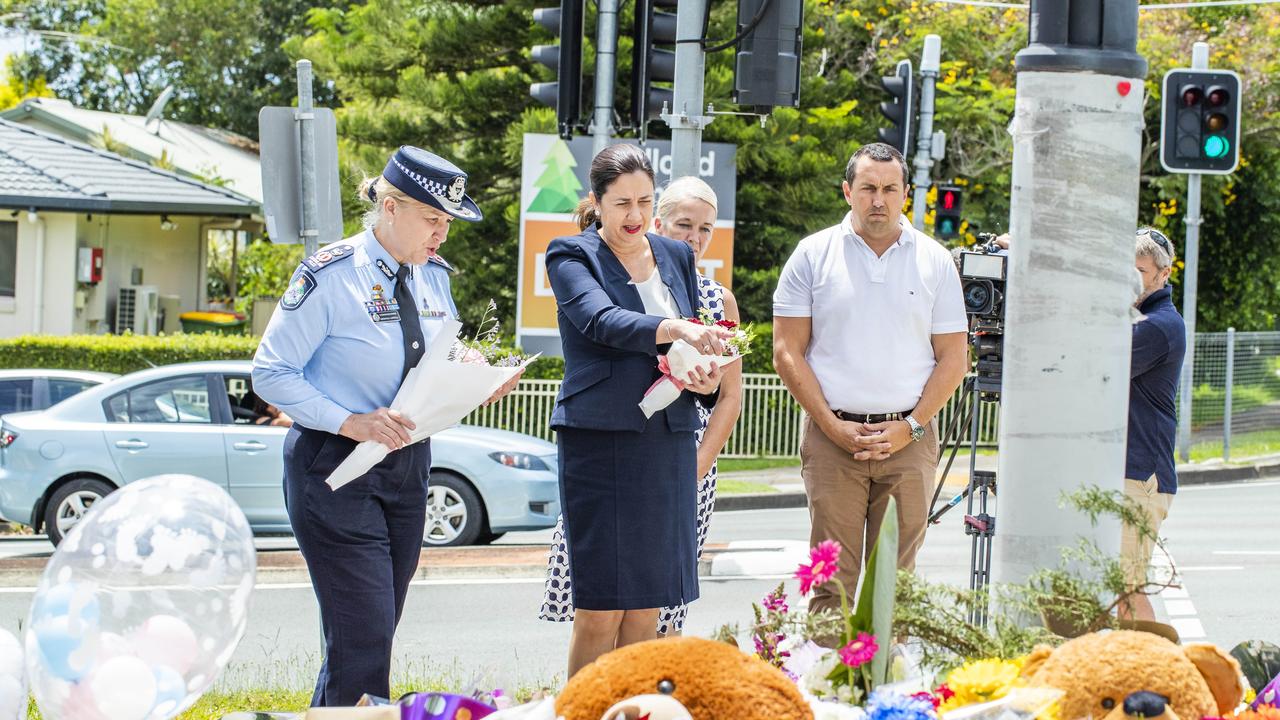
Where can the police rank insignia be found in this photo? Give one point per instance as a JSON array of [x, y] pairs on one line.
[[381, 309], [298, 291], [327, 256]]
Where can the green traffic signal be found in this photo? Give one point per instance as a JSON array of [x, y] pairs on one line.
[[1216, 146]]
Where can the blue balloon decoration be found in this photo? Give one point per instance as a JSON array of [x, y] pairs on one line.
[[57, 642], [58, 600], [170, 687]]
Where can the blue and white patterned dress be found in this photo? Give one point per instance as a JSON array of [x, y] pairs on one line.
[[557, 601]]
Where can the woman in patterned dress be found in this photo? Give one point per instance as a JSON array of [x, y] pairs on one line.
[[685, 211]]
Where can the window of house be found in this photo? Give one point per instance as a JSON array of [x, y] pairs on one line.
[[8, 258]]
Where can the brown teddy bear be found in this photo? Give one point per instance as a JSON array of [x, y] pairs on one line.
[[712, 680], [1110, 675]]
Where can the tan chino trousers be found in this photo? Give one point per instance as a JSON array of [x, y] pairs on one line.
[[848, 498]]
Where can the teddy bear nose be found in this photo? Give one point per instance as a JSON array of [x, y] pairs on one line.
[[1145, 704]]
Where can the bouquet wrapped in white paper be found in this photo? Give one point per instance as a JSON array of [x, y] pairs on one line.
[[676, 365], [436, 394]]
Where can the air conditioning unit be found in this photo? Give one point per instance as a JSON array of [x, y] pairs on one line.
[[138, 309]]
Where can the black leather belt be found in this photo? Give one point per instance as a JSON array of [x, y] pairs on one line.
[[872, 418]]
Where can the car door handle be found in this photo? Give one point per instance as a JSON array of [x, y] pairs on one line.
[[250, 446], [132, 445]]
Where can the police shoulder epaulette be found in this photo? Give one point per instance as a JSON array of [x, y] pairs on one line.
[[328, 256], [442, 263]]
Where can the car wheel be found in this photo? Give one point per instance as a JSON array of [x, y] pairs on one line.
[[455, 514], [69, 504]]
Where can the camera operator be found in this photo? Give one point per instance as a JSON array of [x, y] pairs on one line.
[[1159, 343]]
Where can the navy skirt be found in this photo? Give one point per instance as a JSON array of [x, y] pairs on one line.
[[630, 514]]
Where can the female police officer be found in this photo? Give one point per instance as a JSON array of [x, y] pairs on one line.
[[356, 317]]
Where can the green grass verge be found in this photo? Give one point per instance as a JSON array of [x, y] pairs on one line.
[[1259, 442], [725, 486], [756, 463]]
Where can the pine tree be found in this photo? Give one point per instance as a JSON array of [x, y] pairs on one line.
[[557, 186]]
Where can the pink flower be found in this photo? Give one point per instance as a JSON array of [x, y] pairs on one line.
[[859, 651], [776, 602], [822, 566]]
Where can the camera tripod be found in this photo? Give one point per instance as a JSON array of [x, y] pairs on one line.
[[979, 525]]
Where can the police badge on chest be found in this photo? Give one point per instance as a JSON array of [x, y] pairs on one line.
[[380, 308]]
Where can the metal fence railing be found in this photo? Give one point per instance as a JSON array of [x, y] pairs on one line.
[[1235, 396], [1235, 406]]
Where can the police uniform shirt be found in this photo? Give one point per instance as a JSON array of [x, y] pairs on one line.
[[334, 346]]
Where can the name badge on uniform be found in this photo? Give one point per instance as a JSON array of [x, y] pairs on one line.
[[381, 309], [427, 312]]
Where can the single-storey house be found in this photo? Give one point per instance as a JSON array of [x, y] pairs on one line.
[[94, 242]]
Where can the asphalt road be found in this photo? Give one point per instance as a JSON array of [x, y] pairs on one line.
[[1224, 542]]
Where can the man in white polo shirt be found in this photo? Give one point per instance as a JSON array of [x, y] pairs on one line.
[[869, 334]]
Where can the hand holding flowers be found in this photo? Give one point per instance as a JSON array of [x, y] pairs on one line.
[[701, 348]]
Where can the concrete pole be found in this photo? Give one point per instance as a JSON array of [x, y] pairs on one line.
[[923, 160], [606, 66], [1191, 256], [1077, 142], [307, 149], [685, 119]]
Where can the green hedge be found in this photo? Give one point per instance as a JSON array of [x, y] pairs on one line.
[[127, 353], [121, 353]]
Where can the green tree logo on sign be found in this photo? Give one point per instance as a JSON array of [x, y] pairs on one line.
[[557, 186]]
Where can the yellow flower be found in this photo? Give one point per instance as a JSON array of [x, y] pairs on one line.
[[884, 43], [978, 187], [980, 681], [932, 196], [882, 10], [869, 25], [857, 14], [961, 181]]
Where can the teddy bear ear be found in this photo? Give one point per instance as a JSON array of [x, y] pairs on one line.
[[1220, 671], [1035, 660]]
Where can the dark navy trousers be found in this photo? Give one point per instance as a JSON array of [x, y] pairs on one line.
[[362, 544]]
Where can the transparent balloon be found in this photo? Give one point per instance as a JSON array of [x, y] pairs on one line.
[[13, 683], [142, 604]]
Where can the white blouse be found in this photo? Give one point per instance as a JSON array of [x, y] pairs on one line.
[[657, 297]]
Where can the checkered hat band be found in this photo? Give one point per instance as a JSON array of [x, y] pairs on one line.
[[436, 189]]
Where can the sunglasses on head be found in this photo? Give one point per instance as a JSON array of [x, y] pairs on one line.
[[1159, 239]]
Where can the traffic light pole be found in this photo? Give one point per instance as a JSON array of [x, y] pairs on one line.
[[685, 118], [606, 64], [1191, 258], [929, 63]]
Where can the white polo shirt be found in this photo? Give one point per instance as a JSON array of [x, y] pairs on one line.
[[873, 317]]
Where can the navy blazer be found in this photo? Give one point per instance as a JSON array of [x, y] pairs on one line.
[[610, 350]]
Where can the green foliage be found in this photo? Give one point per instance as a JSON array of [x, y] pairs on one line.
[[223, 57], [263, 270], [875, 608], [1079, 596], [121, 353]]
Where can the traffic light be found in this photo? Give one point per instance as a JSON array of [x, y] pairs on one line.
[[946, 213], [565, 94], [900, 110], [649, 63], [1200, 121], [766, 72]]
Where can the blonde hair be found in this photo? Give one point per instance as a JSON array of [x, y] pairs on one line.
[[374, 190], [677, 191], [1146, 245]]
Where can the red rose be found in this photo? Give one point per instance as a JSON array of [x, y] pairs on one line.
[[727, 324]]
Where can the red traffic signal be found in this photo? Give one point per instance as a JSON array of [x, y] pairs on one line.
[[946, 214]]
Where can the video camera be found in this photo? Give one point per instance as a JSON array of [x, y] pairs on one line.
[[983, 274], [982, 277]]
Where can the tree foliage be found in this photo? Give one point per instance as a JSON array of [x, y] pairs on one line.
[[224, 58], [453, 76]]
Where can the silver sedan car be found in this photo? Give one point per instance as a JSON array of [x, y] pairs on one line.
[[203, 419]]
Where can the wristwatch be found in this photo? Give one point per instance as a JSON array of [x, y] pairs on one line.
[[917, 430]]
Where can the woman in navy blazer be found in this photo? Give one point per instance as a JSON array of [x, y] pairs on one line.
[[628, 486]]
